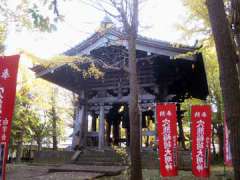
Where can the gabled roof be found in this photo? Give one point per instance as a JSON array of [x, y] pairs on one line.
[[182, 76], [114, 36]]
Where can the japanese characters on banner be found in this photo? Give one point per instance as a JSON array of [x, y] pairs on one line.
[[227, 150], [167, 138], [201, 140], [8, 77]]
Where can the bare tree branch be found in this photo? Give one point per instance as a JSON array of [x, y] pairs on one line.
[[124, 18]]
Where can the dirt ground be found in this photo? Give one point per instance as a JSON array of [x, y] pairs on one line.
[[40, 172], [26, 172]]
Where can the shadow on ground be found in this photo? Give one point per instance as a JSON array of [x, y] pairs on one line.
[[75, 172]]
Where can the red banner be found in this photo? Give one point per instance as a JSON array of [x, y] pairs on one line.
[[8, 78], [167, 138], [227, 149], [201, 140]]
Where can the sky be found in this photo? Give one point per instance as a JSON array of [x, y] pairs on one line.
[[158, 19]]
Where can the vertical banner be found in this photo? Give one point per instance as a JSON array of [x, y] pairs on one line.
[[8, 78], [227, 148], [201, 140], [167, 138]]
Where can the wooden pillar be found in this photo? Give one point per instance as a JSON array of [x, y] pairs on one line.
[[108, 133], [156, 131], [101, 134], [94, 129], [75, 136], [116, 132], [83, 130], [94, 122], [80, 124], [77, 126], [140, 118], [84, 136]]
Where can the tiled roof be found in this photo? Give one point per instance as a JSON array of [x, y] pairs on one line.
[[140, 40]]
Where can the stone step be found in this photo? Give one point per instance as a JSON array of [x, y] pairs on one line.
[[106, 170], [95, 163], [99, 155], [100, 159]]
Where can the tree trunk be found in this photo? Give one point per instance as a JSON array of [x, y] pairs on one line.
[[19, 147], [238, 66], [220, 139], [180, 128], [227, 58], [213, 144], [39, 144], [54, 120], [235, 25], [135, 154], [54, 128], [237, 39], [219, 126], [181, 134], [134, 114]]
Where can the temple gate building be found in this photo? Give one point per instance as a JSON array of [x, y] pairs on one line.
[[166, 73]]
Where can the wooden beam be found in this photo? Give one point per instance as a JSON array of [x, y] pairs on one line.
[[97, 88], [101, 139], [145, 97]]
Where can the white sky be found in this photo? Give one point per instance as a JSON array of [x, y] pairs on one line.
[[81, 21]]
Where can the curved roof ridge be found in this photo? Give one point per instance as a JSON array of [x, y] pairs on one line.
[[117, 32]]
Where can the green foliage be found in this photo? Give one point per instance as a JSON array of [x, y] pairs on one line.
[[48, 106], [32, 121], [24, 117], [2, 36], [122, 152], [39, 21], [40, 130], [31, 14], [197, 21], [197, 24], [90, 70]]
